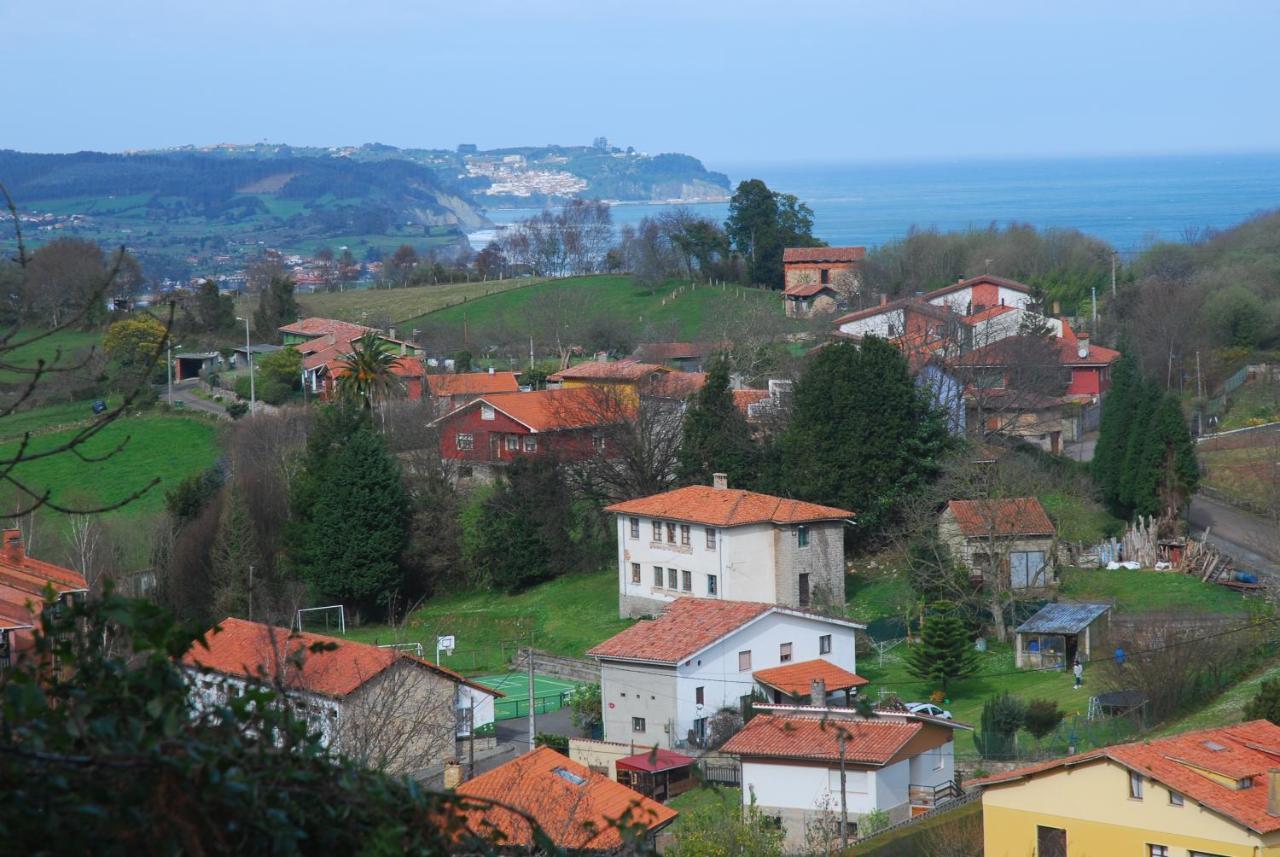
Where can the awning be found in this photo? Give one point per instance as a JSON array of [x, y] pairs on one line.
[[655, 761]]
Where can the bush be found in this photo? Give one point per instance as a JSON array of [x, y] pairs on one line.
[[723, 725], [585, 701], [236, 410], [559, 743], [1042, 717], [1265, 705], [1002, 716]]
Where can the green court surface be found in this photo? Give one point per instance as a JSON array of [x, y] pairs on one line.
[[550, 694]]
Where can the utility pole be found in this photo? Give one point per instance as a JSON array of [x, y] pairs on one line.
[[471, 749], [169, 367], [1094, 291], [248, 356], [531, 351], [1113, 274], [844, 806], [532, 716], [250, 593]]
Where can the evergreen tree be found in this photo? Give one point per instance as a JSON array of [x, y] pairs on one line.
[[350, 513], [1146, 398], [761, 224], [1165, 474], [862, 436], [945, 652], [525, 530], [717, 438], [235, 551], [1265, 704], [1114, 429], [277, 307], [214, 311]]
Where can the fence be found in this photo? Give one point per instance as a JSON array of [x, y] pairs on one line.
[[720, 773], [510, 709], [1075, 733]]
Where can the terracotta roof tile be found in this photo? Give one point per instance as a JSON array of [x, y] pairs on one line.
[[988, 313], [23, 581], [974, 281], [316, 326], [473, 383], [676, 385], [1013, 349], [1018, 516], [743, 399], [576, 807], [652, 352], [688, 626], [823, 254], [727, 507], [796, 679], [867, 741], [806, 290], [618, 370], [549, 410]]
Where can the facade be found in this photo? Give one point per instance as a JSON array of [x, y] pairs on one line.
[[819, 279], [449, 392], [718, 542], [578, 808], [1208, 793], [626, 377], [898, 763], [364, 700], [679, 356], [1012, 538], [23, 580], [1058, 634], [662, 679]]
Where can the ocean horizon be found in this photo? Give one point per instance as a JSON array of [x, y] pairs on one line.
[[1128, 201]]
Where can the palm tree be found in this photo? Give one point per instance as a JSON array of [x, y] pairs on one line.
[[367, 374]]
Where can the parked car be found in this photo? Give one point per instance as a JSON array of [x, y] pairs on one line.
[[928, 709]]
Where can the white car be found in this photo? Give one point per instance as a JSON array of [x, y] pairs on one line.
[[928, 709]]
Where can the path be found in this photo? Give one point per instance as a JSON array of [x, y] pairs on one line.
[[184, 391], [1248, 539]]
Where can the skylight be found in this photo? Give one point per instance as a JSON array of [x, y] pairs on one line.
[[569, 775], [1214, 746]]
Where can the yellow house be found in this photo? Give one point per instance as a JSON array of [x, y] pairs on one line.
[[625, 377], [1209, 793]]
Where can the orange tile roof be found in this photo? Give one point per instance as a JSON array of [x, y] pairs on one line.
[[742, 399], [654, 351], [1248, 751], [805, 290], [867, 741], [402, 367], [472, 383], [1013, 350], [676, 385], [796, 679], [688, 626], [550, 410], [973, 281], [316, 326], [23, 581], [579, 812], [823, 254], [989, 312], [252, 650], [1017, 516], [727, 507], [619, 370]]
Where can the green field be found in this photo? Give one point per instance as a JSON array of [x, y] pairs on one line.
[[74, 345], [1153, 592]]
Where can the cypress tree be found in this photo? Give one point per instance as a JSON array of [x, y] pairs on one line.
[[1114, 428], [524, 534], [1165, 474], [277, 306], [945, 652], [235, 551], [1145, 400], [716, 437]]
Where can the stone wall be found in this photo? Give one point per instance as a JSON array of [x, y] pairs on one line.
[[822, 560], [556, 666]]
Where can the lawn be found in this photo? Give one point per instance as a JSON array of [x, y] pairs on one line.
[[723, 801], [1254, 403], [1247, 472], [73, 344], [49, 417], [567, 616], [1152, 592], [372, 305], [1227, 708]]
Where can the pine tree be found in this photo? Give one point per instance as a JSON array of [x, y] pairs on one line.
[[1146, 398], [863, 435], [1165, 474], [235, 551], [1265, 704], [716, 437], [945, 652], [525, 530], [1114, 428]]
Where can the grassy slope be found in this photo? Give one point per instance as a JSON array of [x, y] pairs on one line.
[[1254, 403], [693, 311], [396, 304], [74, 344]]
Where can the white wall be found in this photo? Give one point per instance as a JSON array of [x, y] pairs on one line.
[[961, 300], [210, 690], [878, 324], [892, 785], [742, 561], [806, 787], [483, 703]]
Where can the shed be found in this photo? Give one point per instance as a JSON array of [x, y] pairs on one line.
[[657, 773], [240, 353], [194, 365], [1059, 633]]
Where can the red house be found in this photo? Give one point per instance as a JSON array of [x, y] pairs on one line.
[[490, 432], [1090, 364], [449, 392], [23, 582]]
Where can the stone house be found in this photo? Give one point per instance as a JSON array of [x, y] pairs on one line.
[[718, 542], [820, 279], [1012, 538]]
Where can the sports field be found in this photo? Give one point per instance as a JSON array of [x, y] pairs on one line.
[[551, 694]]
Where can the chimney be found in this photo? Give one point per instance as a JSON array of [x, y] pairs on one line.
[[1082, 345], [391, 333], [1273, 792], [12, 551], [333, 338], [884, 298], [720, 481], [490, 370], [818, 692], [452, 774]]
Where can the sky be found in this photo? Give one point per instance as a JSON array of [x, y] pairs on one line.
[[729, 81]]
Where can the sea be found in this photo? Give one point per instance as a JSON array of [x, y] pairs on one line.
[[1129, 202]]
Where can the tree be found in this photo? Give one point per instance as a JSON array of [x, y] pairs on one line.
[[524, 533], [713, 831], [585, 702], [399, 268], [1114, 429], [761, 224], [282, 368], [862, 435], [945, 651], [1265, 704], [717, 438], [348, 269], [367, 375], [1165, 473], [65, 278], [1042, 717], [259, 273], [349, 485], [234, 559], [1002, 717], [134, 341], [277, 307], [215, 311]]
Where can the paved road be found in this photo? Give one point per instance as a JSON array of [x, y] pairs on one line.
[[1249, 540], [184, 391]]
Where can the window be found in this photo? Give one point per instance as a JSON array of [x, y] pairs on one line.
[[657, 576], [466, 440], [1175, 799], [784, 653], [1157, 850], [513, 443], [804, 590], [671, 533], [657, 531], [1135, 785], [1051, 842], [635, 572], [686, 581], [637, 724], [744, 661], [673, 579], [825, 276], [699, 696], [684, 534], [597, 441], [635, 528], [802, 536], [824, 644], [711, 538], [486, 412], [711, 584], [530, 443]]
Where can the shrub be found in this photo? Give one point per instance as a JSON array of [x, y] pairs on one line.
[[559, 743], [1265, 705], [1042, 717], [236, 410], [1002, 716], [585, 702]]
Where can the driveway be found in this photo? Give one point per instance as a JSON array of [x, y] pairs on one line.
[[184, 391], [1248, 539]]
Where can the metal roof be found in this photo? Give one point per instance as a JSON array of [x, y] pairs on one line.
[[1062, 618]]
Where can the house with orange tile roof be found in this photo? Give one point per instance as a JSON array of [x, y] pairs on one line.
[[323, 342], [898, 763], [1008, 539], [662, 679], [1209, 793], [579, 810], [24, 583], [383, 705], [820, 279], [628, 379], [713, 541], [451, 391]]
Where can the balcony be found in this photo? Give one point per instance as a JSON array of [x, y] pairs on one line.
[[926, 798]]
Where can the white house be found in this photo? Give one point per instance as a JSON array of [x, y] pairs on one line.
[[718, 542], [662, 679], [896, 762]]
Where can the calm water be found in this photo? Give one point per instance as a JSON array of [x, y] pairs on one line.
[[1127, 202]]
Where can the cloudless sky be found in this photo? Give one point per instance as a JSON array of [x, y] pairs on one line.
[[729, 81]]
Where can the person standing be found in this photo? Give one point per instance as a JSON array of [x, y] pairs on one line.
[[1078, 669]]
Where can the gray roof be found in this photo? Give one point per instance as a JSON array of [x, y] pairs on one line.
[[258, 349], [1062, 618], [196, 355]]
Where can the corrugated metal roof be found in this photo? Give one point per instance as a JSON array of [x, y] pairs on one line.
[[1062, 618]]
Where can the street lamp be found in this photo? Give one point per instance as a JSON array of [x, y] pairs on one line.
[[169, 366], [248, 355]]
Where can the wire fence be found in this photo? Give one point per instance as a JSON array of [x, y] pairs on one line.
[[509, 709]]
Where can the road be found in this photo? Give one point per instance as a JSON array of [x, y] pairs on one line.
[[184, 391], [1248, 539]]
